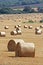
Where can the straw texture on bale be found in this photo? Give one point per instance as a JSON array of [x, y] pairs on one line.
[[25, 50], [2, 34], [12, 44]]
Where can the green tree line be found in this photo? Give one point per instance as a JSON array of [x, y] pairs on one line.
[[25, 10]]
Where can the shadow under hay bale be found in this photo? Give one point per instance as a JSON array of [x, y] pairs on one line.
[[25, 50], [12, 44]]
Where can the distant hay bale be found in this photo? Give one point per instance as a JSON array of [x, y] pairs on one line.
[[15, 20], [19, 20], [39, 31], [30, 27], [25, 50], [13, 33], [12, 44], [25, 26], [41, 26], [19, 32], [16, 26], [37, 28], [19, 25], [18, 29], [6, 27], [2, 34]]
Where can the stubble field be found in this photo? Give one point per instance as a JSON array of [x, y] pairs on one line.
[[28, 35]]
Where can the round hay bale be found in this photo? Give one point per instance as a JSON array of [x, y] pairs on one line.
[[2, 34], [19, 25], [25, 26], [30, 27], [25, 50], [41, 26], [37, 28], [6, 27], [12, 44], [18, 29], [19, 32], [39, 31], [13, 33], [16, 26]]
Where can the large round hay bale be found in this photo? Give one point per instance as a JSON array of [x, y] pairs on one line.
[[12, 44], [2, 34], [25, 50], [13, 33]]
